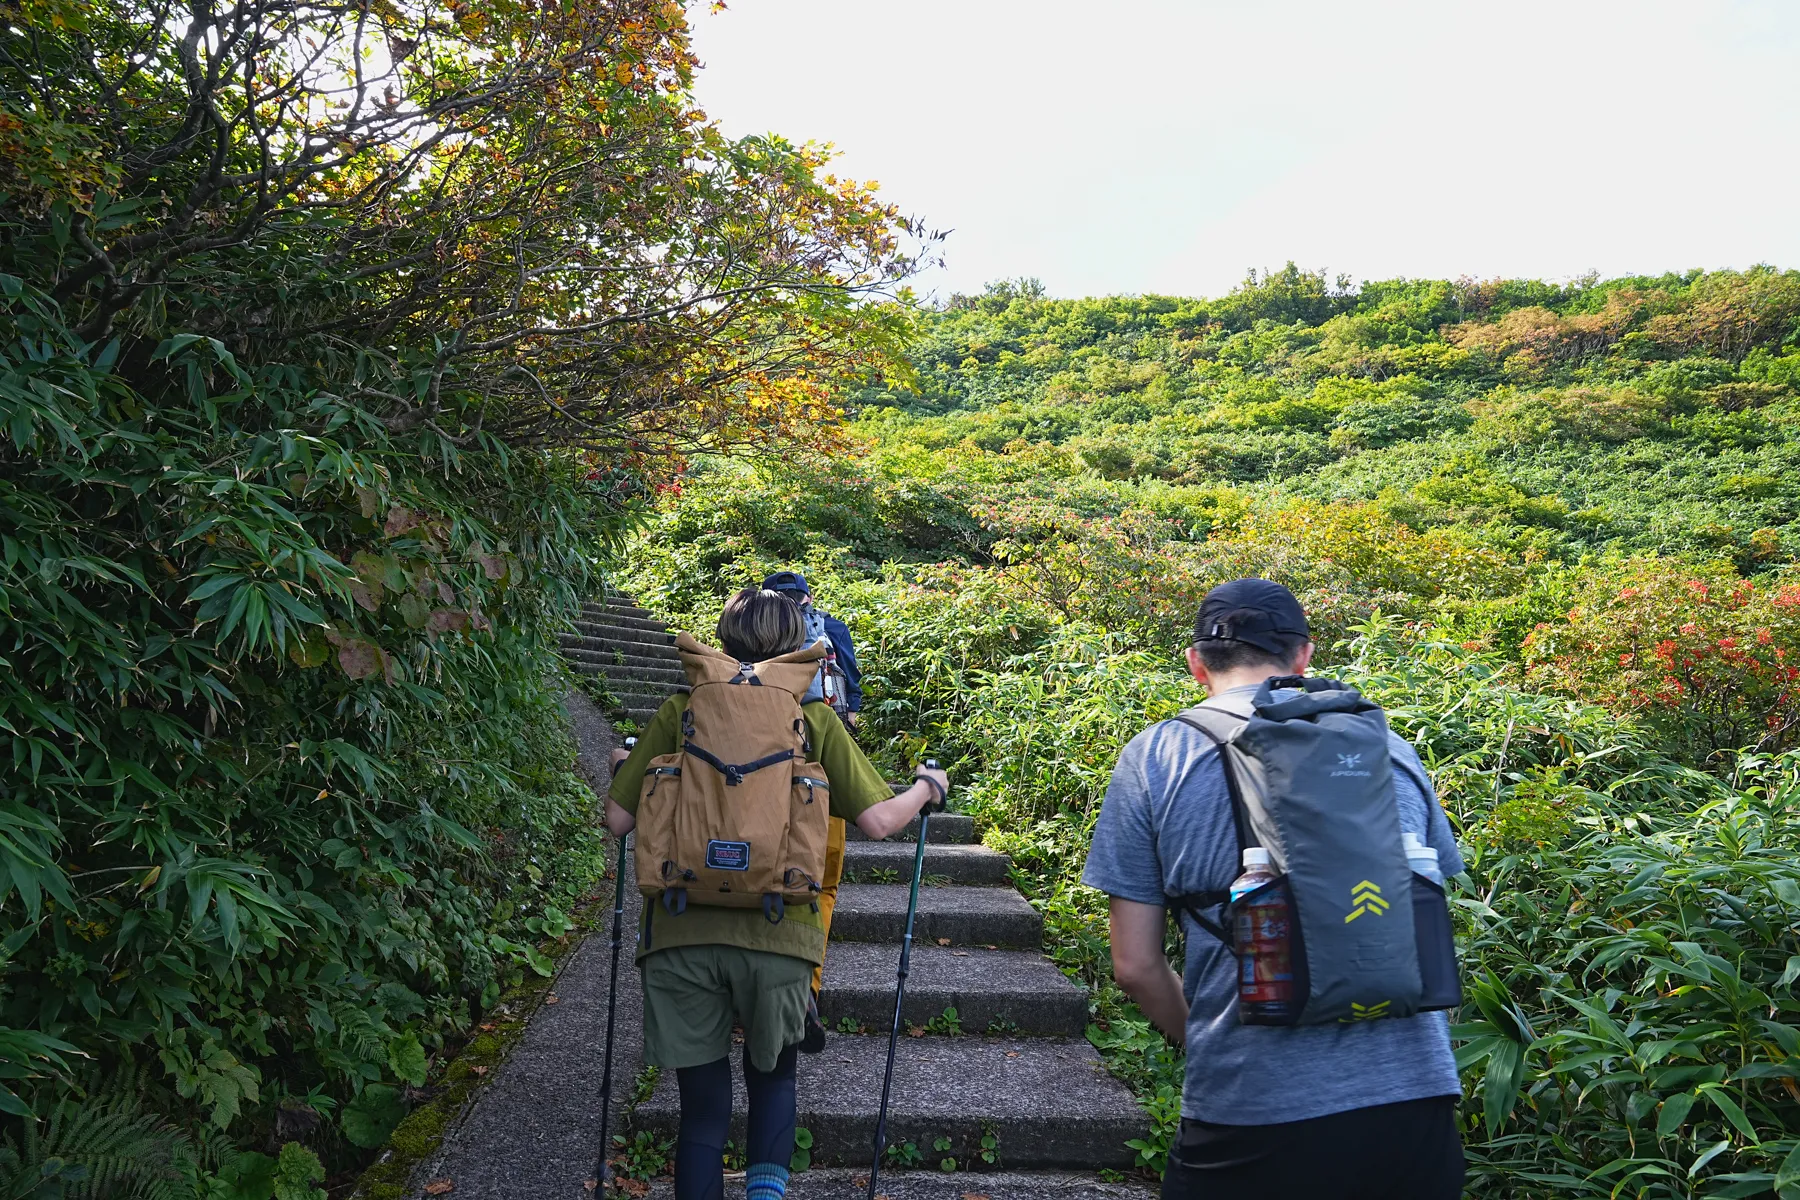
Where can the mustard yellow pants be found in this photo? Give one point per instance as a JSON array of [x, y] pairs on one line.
[[834, 874]]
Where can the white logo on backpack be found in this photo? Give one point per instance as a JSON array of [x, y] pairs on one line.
[[1347, 764]]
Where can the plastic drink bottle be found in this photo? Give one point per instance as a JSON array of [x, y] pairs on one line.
[[1436, 940], [1422, 858], [1265, 965]]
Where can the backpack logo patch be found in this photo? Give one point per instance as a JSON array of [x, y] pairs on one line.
[[1366, 898], [1348, 764], [728, 856]]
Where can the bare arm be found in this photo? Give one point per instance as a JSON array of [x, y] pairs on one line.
[[618, 821], [1141, 968], [890, 816]]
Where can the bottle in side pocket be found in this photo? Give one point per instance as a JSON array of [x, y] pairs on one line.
[[1263, 929]]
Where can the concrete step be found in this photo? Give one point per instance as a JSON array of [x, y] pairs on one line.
[[649, 691], [661, 689], [586, 668], [1049, 1101], [608, 619], [668, 676], [963, 916], [611, 635], [949, 828], [892, 862], [997, 991], [652, 653], [850, 1183], [634, 698], [616, 606]]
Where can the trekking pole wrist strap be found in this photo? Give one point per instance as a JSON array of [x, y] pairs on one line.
[[937, 792]]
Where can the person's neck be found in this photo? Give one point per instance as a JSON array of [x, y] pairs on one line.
[[1217, 684]]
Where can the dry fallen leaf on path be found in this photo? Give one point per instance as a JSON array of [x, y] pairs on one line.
[[959, 954], [943, 941], [487, 1027], [861, 1181], [588, 1185], [479, 1070], [635, 1187], [1012, 1054], [438, 1187], [552, 998], [915, 1031]]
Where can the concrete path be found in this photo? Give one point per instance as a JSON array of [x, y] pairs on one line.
[[847, 1184], [534, 1133]]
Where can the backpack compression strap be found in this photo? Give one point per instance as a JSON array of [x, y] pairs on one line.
[[1199, 904], [734, 772]]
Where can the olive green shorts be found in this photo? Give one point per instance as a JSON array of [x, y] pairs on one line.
[[694, 994]]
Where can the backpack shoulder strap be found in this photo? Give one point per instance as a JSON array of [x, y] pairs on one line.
[[1199, 905], [1233, 787]]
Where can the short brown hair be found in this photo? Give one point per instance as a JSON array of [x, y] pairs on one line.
[[758, 624], [1222, 655]]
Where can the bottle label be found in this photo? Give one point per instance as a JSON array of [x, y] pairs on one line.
[[1267, 979]]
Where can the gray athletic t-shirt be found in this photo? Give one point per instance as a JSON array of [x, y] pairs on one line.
[[1166, 829]]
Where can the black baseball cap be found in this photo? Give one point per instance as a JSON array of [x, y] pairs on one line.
[[786, 581], [1257, 612]]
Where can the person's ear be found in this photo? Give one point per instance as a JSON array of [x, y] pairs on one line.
[[1304, 659], [1197, 668]]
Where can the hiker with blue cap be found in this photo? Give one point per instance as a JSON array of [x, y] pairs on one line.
[[840, 685], [1300, 844], [840, 679]]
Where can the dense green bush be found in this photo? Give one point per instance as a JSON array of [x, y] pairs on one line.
[[288, 799]]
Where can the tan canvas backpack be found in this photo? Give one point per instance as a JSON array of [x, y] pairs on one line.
[[738, 816]]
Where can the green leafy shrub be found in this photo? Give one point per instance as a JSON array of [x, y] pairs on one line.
[[287, 783]]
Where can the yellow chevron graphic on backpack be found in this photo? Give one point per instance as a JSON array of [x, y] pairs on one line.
[[1367, 899], [1372, 1012]]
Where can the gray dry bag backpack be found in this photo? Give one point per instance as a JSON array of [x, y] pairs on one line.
[[1312, 781], [828, 685]]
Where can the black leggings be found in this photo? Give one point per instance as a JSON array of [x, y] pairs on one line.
[[706, 1122], [1404, 1151]]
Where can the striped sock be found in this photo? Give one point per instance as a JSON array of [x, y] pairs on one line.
[[765, 1181]]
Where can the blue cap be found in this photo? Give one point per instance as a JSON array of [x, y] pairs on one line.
[[786, 581], [1257, 612]]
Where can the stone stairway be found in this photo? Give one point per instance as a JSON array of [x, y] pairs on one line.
[[1012, 1062], [996, 1042], [632, 651]]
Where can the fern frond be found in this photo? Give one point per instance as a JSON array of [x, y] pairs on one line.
[[126, 1153]]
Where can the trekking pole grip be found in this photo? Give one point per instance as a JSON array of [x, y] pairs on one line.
[[937, 804]]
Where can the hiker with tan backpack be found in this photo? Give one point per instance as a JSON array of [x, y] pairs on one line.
[[729, 789]]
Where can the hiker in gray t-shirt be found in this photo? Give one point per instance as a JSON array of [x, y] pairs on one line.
[[1363, 1110]]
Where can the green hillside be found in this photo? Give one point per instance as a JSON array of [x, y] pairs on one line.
[[1549, 527]]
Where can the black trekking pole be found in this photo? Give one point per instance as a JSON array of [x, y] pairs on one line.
[[912, 911], [602, 1170]]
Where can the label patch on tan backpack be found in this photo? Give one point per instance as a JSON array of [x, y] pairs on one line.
[[728, 856]]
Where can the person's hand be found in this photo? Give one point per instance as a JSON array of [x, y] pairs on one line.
[[852, 720], [938, 777]]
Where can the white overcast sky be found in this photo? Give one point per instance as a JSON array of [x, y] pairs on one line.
[[1167, 145]]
